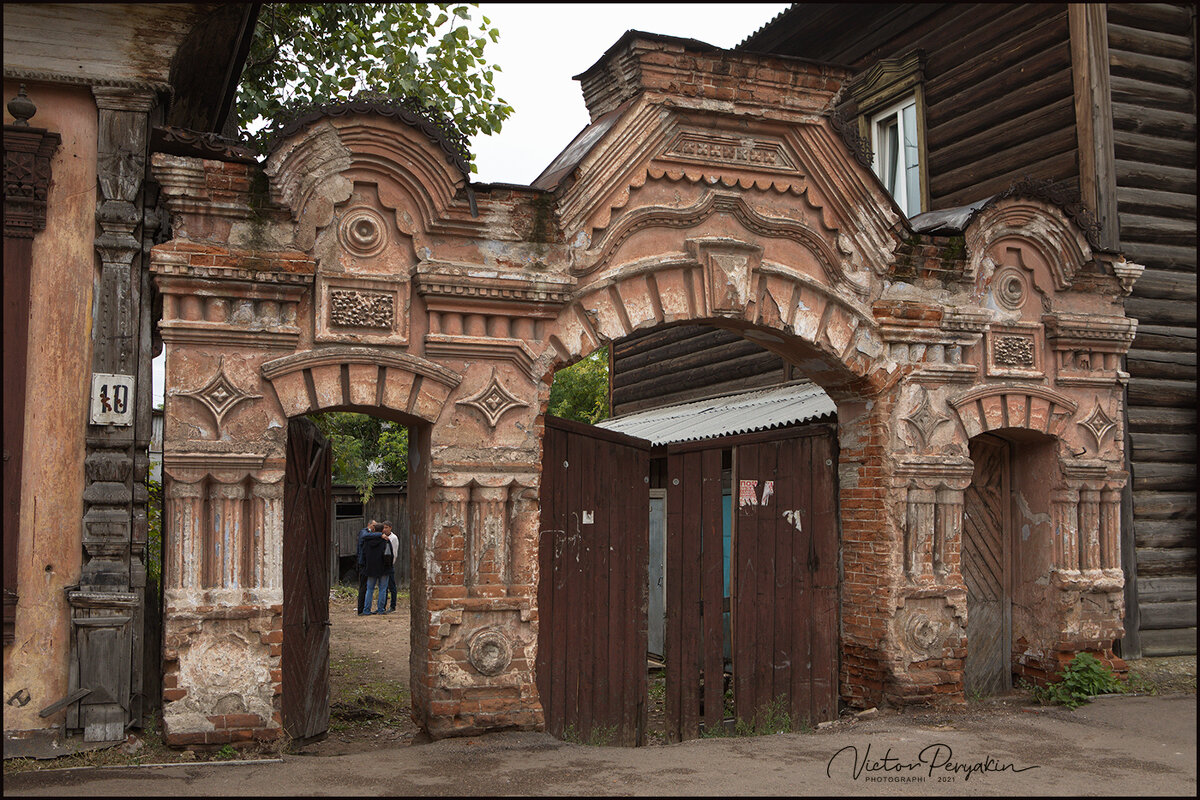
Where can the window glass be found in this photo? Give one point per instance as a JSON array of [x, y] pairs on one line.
[[898, 154]]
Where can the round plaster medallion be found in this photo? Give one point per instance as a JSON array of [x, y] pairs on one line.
[[362, 231], [922, 632], [490, 652], [1010, 289]]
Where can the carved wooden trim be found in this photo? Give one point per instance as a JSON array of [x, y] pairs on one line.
[[27, 154]]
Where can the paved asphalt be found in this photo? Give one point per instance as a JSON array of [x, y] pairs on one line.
[[1118, 746]]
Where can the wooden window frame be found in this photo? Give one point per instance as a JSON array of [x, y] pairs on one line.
[[885, 86]]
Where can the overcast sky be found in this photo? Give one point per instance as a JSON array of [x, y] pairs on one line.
[[542, 45]]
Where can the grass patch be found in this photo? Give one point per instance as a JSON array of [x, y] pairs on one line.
[[769, 718], [362, 698], [598, 736]]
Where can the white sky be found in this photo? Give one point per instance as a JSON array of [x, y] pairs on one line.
[[542, 45]]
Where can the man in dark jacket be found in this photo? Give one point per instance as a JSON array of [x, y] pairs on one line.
[[374, 549], [372, 529]]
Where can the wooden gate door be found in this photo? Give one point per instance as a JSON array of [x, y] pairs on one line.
[[783, 581], [306, 543], [785, 593], [592, 593], [985, 568]]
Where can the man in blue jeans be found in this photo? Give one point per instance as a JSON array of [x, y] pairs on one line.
[[377, 569], [372, 529]]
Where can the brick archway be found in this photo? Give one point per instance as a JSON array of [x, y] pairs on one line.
[[363, 270]]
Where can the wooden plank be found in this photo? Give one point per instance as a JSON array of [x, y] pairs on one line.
[[603, 475], [1030, 125], [1157, 616], [634, 560], [1159, 150], [674, 643], [1163, 477], [585, 473], [1137, 227], [1166, 590], [1164, 446], [1135, 91], [1166, 283], [1165, 533], [1166, 562], [784, 625], [1164, 505], [1164, 420], [620, 622], [796, 503], [690, 580], [1003, 161], [1157, 43], [712, 587], [1137, 174], [823, 465], [1168, 18], [1169, 642], [1161, 70], [1155, 364], [1162, 393], [765, 457], [968, 186]]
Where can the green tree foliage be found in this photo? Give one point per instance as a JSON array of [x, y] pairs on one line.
[[313, 53], [366, 450], [580, 391]]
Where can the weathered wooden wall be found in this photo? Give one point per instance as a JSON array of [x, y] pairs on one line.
[[1152, 60], [687, 362]]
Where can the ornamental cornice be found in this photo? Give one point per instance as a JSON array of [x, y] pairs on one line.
[[1064, 329], [442, 280]]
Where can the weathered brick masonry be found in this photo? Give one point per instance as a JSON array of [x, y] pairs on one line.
[[360, 270]]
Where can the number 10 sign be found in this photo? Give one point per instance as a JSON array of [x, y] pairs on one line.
[[112, 399]]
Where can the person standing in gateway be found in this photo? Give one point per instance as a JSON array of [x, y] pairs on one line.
[[395, 563], [374, 551]]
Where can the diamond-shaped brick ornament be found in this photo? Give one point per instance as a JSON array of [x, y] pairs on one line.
[[1098, 424], [493, 400], [219, 395], [924, 420]]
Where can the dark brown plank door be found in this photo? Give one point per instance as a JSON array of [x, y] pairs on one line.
[[785, 602], [306, 540], [592, 591], [985, 569], [695, 594]]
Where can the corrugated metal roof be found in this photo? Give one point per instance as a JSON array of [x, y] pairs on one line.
[[758, 410]]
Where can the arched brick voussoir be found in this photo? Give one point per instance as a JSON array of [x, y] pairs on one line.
[[836, 330], [338, 377], [1035, 408]]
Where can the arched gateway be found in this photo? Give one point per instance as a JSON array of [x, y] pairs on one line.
[[361, 270]]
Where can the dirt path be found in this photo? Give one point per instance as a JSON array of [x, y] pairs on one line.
[[369, 679]]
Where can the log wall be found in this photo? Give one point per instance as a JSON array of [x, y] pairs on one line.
[[1152, 71]]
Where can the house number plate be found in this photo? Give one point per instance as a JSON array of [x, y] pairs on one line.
[[112, 399]]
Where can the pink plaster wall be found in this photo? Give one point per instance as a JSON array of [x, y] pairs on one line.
[[60, 355]]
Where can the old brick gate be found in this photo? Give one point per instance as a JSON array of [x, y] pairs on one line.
[[361, 270]]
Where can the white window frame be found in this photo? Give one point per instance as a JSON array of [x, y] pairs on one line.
[[908, 156]]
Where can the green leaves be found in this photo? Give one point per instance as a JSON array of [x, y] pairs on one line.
[[580, 391], [366, 450], [306, 53]]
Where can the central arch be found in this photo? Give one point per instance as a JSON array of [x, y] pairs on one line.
[[361, 270]]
